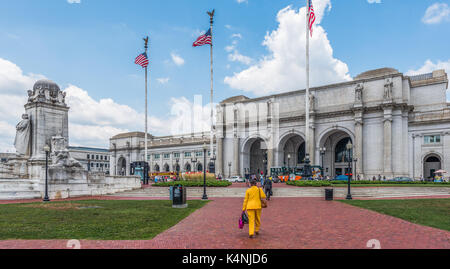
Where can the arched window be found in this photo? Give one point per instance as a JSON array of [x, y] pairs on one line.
[[301, 153], [433, 159], [341, 153]]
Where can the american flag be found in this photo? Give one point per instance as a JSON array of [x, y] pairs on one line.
[[312, 17], [203, 39], [142, 60]]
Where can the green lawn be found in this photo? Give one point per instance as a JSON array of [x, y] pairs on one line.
[[428, 212], [107, 220]]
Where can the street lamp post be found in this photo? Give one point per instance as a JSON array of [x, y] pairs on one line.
[[177, 168], [349, 148], [194, 160], [322, 153], [47, 151], [205, 147], [229, 169]]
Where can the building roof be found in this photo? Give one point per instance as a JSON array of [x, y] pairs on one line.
[[89, 149], [235, 99], [131, 134], [377, 73]]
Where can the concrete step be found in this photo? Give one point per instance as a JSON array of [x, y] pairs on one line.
[[295, 192]]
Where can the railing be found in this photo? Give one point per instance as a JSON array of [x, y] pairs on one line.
[[421, 77]]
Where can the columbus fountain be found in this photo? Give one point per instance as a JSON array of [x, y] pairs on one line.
[[45, 125]]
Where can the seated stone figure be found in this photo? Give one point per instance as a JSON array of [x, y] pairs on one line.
[[61, 155]]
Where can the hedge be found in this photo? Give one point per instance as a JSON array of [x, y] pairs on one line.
[[209, 183]]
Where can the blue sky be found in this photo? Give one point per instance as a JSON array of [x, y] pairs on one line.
[[91, 45]]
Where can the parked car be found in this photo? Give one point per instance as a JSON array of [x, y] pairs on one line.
[[341, 177], [401, 179], [236, 179]]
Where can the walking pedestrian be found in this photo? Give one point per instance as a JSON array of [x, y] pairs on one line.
[[268, 187], [252, 203]]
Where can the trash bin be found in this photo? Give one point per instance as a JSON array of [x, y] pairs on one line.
[[329, 194], [178, 197]]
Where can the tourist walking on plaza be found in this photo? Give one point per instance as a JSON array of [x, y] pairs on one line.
[[252, 203], [268, 187]]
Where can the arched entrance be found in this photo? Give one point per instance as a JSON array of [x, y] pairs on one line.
[[199, 167], [187, 167], [156, 168], [431, 164], [166, 168], [122, 166], [292, 151], [258, 157], [336, 156]]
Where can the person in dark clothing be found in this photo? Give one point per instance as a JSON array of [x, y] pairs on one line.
[[268, 187]]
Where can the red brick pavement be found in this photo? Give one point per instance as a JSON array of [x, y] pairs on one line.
[[288, 223]]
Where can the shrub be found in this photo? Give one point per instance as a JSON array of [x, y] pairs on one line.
[[309, 183], [197, 176], [194, 183]]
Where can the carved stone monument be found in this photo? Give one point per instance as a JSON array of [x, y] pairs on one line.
[[22, 140], [48, 114]]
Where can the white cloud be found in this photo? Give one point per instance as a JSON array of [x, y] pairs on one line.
[[374, 1], [163, 80], [235, 56], [429, 67], [92, 122], [236, 36], [242, 1], [73, 1], [284, 69], [177, 59], [436, 13], [233, 53]]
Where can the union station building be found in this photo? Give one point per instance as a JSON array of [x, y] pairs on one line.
[[398, 125]]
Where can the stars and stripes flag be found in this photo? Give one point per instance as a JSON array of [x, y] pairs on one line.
[[203, 39], [312, 17], [142, 60]]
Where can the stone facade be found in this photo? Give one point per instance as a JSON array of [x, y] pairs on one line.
[[398, 126], [163, 152], [92, 159]]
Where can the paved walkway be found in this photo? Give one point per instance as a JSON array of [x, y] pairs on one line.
[[288, 223]]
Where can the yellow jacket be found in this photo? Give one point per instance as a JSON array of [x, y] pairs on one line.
[[252, 198]]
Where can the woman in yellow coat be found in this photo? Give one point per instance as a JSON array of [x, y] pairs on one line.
[[252, 203]]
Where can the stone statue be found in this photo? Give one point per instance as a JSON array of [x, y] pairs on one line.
[[358, 92], [388, 89], [61, 155], [312, 99], [22, 140]]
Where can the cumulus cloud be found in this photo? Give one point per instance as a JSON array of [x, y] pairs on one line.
[[436, 13], [92, 122], [429, 67], [284, 68], [233, 53], [177, 59]]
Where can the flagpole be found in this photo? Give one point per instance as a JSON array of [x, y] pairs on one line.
[[145, 143], [211, 16], [307, 138]]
